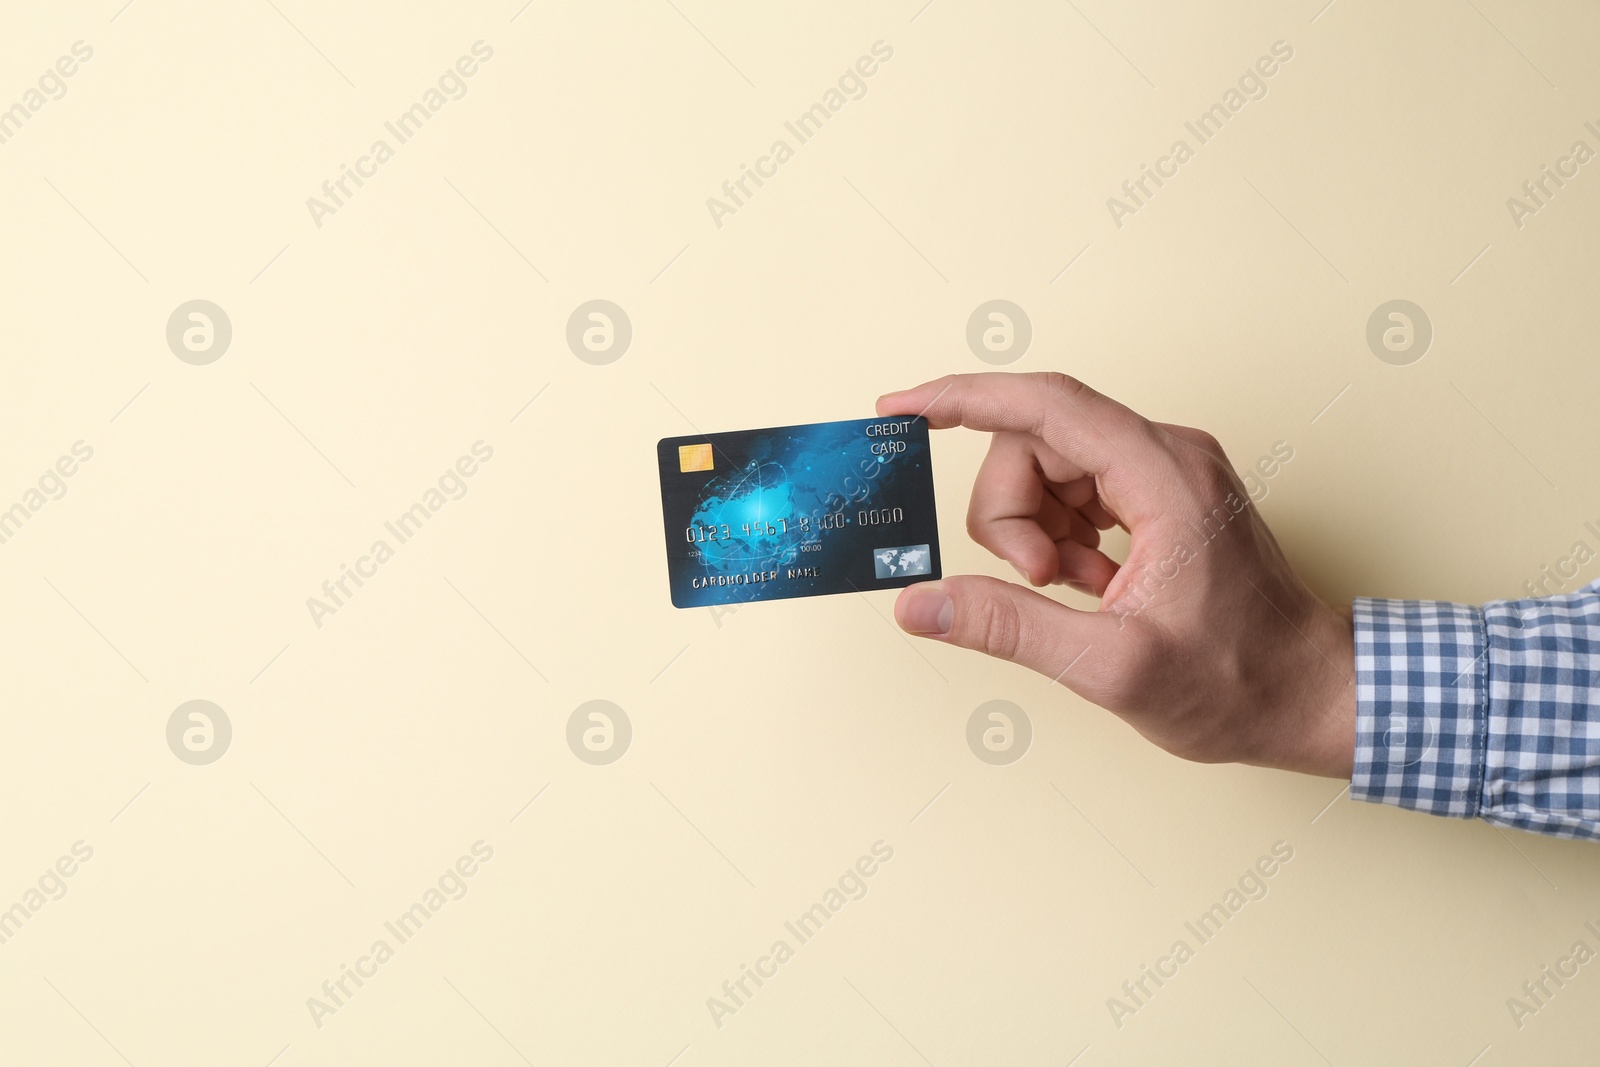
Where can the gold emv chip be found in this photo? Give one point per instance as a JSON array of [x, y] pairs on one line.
[[694, 457]]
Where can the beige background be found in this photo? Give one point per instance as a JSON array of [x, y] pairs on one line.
[[772, 750]]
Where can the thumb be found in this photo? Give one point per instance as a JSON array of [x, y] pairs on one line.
[[1008, 622]]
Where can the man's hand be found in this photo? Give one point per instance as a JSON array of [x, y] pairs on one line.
[[1205, 641]]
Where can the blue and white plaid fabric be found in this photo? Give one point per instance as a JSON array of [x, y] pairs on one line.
[[1490, 712]]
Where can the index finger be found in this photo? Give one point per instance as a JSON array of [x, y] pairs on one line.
[[1112, 442]]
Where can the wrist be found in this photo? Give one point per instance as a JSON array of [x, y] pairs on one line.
[[1329, 708], [1314, 728]]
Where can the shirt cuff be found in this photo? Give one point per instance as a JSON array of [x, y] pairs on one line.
[[1542, 762], [1421, 705]]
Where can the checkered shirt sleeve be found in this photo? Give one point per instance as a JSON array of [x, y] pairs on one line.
[[1490, 712]]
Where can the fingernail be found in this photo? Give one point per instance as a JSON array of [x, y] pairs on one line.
[[927, 610]]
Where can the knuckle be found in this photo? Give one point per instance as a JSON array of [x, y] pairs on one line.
[[1065, 384], [1215, 478], [993, 627], [1083, 403], [1054, 418]]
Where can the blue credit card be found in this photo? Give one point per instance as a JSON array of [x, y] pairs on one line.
[[833, 507]]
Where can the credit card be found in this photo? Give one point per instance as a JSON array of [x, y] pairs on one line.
[[831, 507]]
